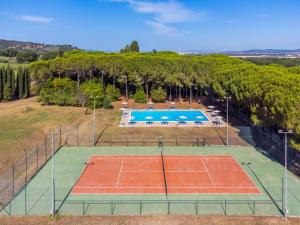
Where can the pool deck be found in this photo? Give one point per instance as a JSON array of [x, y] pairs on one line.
[[125, 121]]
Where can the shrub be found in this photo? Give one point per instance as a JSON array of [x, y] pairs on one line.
[[93, 89], [60, 91], [140, 96], [113, 93], [107, 103], [158, 95], [27, 56]]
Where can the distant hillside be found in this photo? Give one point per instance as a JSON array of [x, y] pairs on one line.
[[21, 45]]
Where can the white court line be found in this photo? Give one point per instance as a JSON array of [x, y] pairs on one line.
[[189, 187], [154, 158], [120, 170], [167, 171], [211, 180]]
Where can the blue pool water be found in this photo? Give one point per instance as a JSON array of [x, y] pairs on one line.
[[167, 115]]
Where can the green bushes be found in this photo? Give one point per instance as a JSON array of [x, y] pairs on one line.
[[60, 91], [93, 89], [267, 93], [63, 91], [158, 95], [112, 92], [107, 103], [140, 96]]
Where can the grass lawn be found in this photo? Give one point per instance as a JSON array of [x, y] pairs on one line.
[[26, 122]]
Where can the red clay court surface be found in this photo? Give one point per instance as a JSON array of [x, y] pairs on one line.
[[144, 175]]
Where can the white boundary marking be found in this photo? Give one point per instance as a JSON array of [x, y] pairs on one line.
[[120, 170], [174, 187], [211, 180]]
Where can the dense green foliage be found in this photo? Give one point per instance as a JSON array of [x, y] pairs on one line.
[[94, 91], [112, 92], [52, 54], [9, 52], [60, 91], [107, 103], [140, 96], [158, 94], [14, 86], [269, 94], [271, 60], [27, 56]]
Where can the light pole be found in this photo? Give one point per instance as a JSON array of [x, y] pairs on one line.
[[227, 120], [94, 120], [285, 132]]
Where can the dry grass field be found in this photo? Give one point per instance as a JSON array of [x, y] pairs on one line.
[[149, 220], [25, 122]]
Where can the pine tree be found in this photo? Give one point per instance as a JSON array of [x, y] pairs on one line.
[[26, 82], [19, 86], [10, 79], [7, 92]]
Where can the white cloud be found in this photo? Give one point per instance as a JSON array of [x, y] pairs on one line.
[[163, 29], [35, 19], [164, 14]]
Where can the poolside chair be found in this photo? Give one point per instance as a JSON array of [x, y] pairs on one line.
[[131, 123], [149, 123], [164, 123], [198, 123]]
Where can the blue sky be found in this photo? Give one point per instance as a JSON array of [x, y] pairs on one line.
[[162, 24]]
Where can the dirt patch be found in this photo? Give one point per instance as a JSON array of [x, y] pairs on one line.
[[149, 220]]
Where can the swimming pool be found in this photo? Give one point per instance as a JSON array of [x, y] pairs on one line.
[[167, 116]]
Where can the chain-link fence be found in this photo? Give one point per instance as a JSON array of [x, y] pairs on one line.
[[16, 176]]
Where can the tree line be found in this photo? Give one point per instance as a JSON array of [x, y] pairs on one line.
[[14, 86], [269, 94]]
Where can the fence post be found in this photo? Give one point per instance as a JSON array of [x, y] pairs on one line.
[[77, 128], [83, 212], [46, 148], [168, 207], [282, 195], [140, 207], [25, 202], [13, 180], [225, 209], [59, 135], [197, 207], [37, 158], [254, 207]]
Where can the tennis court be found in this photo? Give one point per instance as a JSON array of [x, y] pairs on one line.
[[98, 168], [170, 174]]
